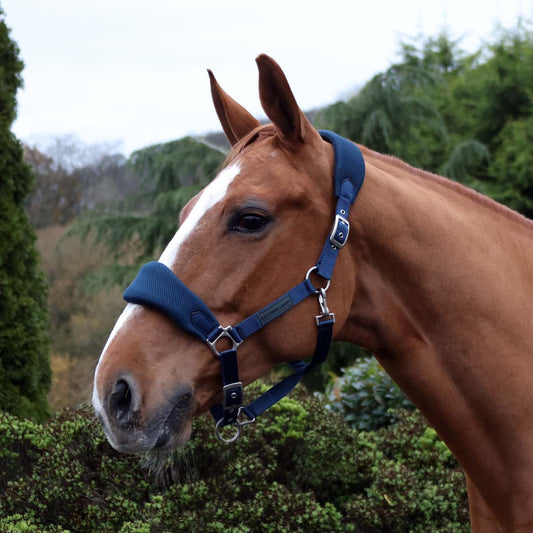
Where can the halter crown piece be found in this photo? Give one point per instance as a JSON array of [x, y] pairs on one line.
[[157, 287]]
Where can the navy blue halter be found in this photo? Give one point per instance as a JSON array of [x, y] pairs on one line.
[[157, 287]]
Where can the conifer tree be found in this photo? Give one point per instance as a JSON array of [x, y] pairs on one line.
[[24, 360]]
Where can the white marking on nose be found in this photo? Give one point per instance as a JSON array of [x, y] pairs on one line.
[[128, 311], [211, 195]]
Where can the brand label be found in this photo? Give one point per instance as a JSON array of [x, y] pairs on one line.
[[275, 309]]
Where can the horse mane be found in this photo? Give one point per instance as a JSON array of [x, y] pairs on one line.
[[455, 186]]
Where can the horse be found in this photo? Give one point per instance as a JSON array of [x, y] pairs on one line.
[[433, 278]]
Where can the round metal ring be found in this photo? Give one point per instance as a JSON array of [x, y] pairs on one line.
[[233, 438], [317, 291]]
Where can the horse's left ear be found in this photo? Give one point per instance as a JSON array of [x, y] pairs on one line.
[[236, 121], [279, 102]]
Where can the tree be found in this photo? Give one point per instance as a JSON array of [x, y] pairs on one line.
[[72, 177], [56, 195], [389, 116], [513, 165], [171, 174], [24, 363], [466, 116]]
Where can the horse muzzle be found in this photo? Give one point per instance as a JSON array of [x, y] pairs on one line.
[[133, 427]]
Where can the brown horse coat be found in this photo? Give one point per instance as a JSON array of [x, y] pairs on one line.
[[436, 280]]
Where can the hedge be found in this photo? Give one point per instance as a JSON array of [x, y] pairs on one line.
[[300, 468]]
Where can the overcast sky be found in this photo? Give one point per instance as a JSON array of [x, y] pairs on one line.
[[134, 73]]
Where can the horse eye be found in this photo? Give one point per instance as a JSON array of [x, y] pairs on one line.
[[250, 223]]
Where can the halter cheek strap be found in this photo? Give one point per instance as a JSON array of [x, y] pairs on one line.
[[157, 287]]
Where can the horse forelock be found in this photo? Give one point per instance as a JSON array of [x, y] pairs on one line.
[[258, 134]]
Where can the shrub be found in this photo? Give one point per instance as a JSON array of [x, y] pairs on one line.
[[366, 396], [300, 468]]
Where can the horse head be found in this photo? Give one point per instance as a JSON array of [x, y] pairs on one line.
[[247, 238]]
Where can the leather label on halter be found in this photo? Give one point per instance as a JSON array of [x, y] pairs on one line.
[[275, 309]]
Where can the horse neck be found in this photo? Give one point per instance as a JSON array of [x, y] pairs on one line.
[[436, 253], [443, 299]]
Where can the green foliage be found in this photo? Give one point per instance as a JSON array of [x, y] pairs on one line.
[[390, 116], [177, 163], [366, 396], [513, 164], [172, 173], [464, 116], [10, 75], [24, 364], [465, 158], [298, 469]]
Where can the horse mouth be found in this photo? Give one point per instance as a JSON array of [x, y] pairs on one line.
[[175, 431]]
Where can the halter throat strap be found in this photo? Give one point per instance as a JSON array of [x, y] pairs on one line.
[[157, 287]]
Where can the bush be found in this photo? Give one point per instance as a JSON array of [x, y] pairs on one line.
[[366, 396], [300, 468]]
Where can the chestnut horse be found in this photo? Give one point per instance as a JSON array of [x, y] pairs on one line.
[[435, 279]]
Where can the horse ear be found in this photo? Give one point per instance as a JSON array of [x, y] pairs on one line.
[[236, 121], [279, 102]]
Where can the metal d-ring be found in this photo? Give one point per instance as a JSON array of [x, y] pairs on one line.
[[317, 291], [233, 438], [237, 424]]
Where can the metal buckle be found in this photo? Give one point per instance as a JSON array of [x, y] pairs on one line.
[[339, 233], [225, 332], [236, 385]]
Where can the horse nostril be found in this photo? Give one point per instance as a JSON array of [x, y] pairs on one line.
[[124, 401]]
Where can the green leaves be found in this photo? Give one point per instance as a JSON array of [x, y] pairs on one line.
[[137, 228], [465, 116], [299, 468], [366, 396], [465, 159]]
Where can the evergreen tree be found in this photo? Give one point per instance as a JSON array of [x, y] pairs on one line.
[[392, 115], [24, 363], [468, 117], [171, 173]]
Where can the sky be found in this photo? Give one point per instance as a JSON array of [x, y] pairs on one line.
[[132, 73]]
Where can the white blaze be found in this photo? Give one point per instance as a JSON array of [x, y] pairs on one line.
[[210, 196]]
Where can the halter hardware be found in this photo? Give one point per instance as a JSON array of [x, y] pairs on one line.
[[238, 424], [157, 287], [339, 233], [326, 315], [224, 333]]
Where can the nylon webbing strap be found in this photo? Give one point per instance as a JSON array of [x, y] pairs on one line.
[[274, 310], [281, 389]]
